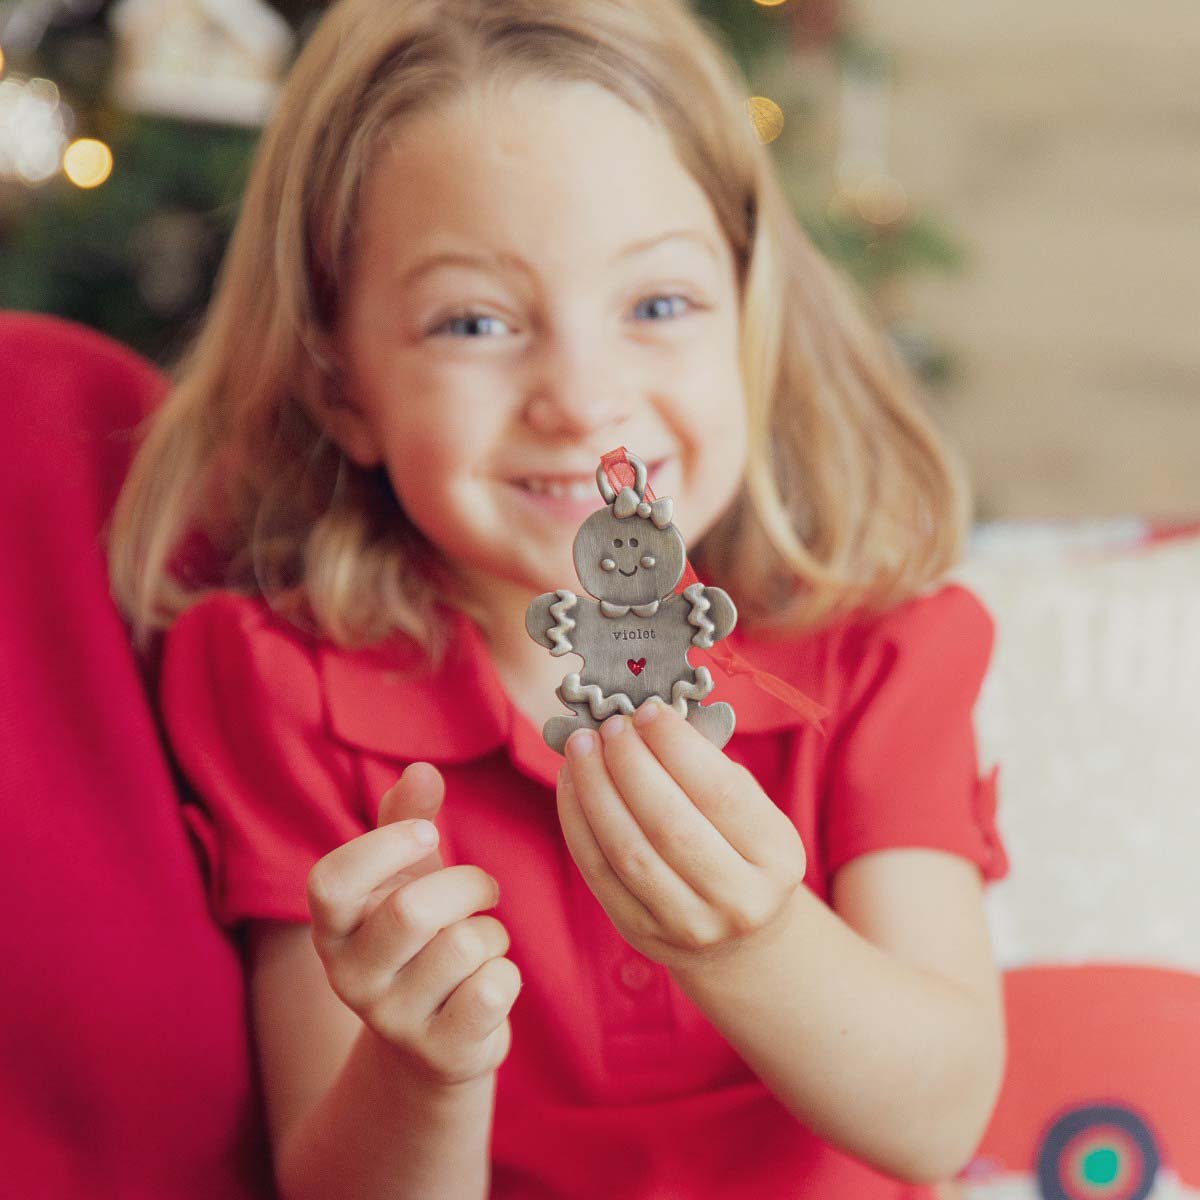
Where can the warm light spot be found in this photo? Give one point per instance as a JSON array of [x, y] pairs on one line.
[[1, 60], [767, 117], [770, 3], [880, 200], [87, 163]]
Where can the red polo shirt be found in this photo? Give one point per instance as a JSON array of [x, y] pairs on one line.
[[616, 1084]]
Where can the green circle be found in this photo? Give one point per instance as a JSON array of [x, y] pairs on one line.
[[1100, 1166]]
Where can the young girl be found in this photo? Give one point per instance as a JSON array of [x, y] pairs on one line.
[[485, 242]]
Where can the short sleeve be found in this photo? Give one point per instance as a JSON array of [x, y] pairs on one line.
[[902, 767], [270, 791]]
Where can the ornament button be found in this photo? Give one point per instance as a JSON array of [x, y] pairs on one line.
[[636, 974]]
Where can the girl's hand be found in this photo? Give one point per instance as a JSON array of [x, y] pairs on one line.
[[685, 852], [394, 930]]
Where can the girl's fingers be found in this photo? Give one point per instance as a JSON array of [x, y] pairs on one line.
[[418, 993], [341, 883], [724, 792], [630, 854], [412, 801], [418, 792], [607, 886], [480, 1004], [453, 956], [406, 922], [684, 837]]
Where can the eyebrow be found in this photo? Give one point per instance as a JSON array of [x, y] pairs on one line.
[[504, 261]]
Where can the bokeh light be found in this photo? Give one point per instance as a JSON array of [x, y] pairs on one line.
[[767, 117], [87, 163], [32, 130], [881, 200]]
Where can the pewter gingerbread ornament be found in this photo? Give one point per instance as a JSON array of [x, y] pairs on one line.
[[635, 635]]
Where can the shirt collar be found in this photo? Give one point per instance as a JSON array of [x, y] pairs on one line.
[[387, 700]]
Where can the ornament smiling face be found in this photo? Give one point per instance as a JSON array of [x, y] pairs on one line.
[[629, 553]]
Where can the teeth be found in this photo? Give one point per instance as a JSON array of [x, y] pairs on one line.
[[580, 489], [574, 489]]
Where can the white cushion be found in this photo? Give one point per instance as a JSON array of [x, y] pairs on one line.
[[1092, 710]]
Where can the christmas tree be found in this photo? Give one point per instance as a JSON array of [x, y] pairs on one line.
[[127, 128]]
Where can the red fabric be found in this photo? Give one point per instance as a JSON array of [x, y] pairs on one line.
[[616, 1084], [125, 1068]]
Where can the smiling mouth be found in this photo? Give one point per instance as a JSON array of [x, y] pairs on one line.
[[633, 572], [571, 485]]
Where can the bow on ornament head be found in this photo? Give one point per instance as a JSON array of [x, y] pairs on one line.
[[631, 501], [627, 504]]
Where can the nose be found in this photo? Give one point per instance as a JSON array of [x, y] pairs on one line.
[[575, 388]]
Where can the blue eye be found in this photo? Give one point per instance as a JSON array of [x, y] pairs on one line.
[[461, 324], [664, 306]]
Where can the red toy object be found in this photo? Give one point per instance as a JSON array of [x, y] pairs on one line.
[[1103, 1087], [125, 1064]]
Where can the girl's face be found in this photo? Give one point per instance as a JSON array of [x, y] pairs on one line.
[[538, 280]]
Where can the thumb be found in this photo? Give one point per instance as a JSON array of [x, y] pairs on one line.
[[417, 793]]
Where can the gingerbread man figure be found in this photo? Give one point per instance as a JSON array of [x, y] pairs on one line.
[[635, 635]]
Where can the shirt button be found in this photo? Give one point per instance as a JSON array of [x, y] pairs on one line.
[[636, 974]]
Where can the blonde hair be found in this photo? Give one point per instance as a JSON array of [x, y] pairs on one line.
[[849, 498]]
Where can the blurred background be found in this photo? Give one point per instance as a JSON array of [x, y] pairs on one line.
[[1016, 193]]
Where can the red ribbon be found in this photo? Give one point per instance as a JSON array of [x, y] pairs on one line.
[[620, 473]]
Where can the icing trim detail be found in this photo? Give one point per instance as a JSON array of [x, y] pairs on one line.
[[599, 705], [682, 691], [703, 637], [559, 632]]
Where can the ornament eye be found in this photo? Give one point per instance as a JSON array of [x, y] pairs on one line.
[[607, 564], [633, 541], [618, 542], [648, 560]]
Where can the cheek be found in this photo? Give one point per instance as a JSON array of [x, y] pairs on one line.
[[706, 394], [718, 464], [430, 462], [430, 412], [419, 466], [431, 438], [723, 417]]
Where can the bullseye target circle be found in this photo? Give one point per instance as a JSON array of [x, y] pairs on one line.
[[1098, 1153], [1100, 1164]]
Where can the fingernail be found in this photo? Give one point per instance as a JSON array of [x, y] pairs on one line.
[[648, 711], [581, 742], [612, 727], [426, 833]]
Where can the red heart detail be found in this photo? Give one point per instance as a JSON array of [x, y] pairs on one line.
[[636, 666]]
